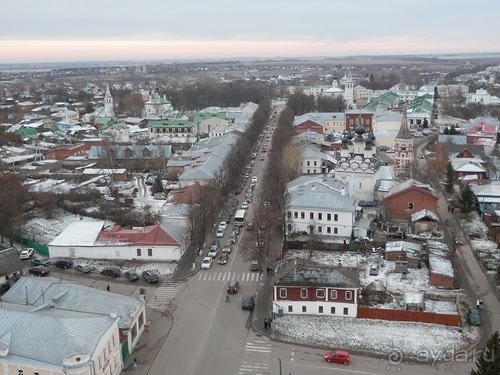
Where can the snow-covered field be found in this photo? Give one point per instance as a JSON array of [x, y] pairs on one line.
[[377, 336]]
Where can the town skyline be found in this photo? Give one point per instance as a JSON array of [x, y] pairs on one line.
[[123, 31]]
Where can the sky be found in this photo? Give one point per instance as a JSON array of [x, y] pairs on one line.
[[34, 31]]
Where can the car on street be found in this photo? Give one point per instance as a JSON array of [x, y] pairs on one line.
[[63, 263], [255, 265], [39, 271], [244, 206], [83, 268], [223, 259], [40, 262], [459, 240], [212, 253], [206, 263], [373, 270], [150, 276], [248, 303], [228, 247], [111, 271], [223, 224], [338, 356], [27, 253], [232, 287], [261, 158], [220, 233], [232, 237], [473, 316], [131, 275]]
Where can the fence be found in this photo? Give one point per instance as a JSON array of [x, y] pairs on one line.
[[453, 320], [42, 249]]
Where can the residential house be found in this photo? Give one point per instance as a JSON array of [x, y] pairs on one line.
[[96, 330], [314, 161], [308, 123], [409, 197], [467, 170], [440, 267], [303, 287], [173, 131], [424, 221], [482, 96], [320, 206], [488, 196], [90, 240]]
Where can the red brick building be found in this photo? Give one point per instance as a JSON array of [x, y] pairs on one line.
[[409, 197], [309, 288], [309, 125], [354, 116]]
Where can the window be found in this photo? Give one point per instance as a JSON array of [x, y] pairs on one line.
[[328, 230], [320, 229], [320, 309], [333, 294], [303, 293], [302, 215], [304, 309], [290, 308], [289, 214], [332, 310], [320, 216], [360, 187], [283, 292], [20, 372], [315, 163], [311, 215], [410, 205], [138, 252], [128, 153], [308, 163], [348, 295], [346, 311], [320, 293], [296, 215], [335, 230], [329, 217], [336, 217], [150, 252]]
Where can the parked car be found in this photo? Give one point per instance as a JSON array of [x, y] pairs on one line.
[[40, 262], [338, 356], [255, 265], [261, 158], [248, 303], [111, 271], [27, 253], [244, 206], [206, 263], [63, 263], [373, 270], [83, 268], [223, 259], [232, 287], [212, 253], [214, 245], [39, 271], [131, 275], [150, 276], [473, 316], [255, 179], [223, 224]]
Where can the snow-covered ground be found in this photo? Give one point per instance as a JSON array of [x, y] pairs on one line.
[[378, 336]]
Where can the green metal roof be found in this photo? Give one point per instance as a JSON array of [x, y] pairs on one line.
[[386, 100], [170, 124], [199, 117]]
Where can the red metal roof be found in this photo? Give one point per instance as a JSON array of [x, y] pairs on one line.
[[150, 235]]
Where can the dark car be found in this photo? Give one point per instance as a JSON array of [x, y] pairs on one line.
[[255, 265], [473, 316], [131, 275], [223, 259], [232, 287], [248, 303], [4, 287], [39, 271], [150, 276], [39, 262], [111, 271], [64, 263]]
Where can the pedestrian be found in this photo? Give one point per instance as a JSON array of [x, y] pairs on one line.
[[477, 304], [269, 321], [265, 323], [108, 288], [227, 298], [452, 209]]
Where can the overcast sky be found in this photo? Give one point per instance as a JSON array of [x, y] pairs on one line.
[[104, 30]]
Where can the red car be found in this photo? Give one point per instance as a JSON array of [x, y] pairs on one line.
[[338, 356]]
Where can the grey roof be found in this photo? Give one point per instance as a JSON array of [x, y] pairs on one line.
[[136, 152], [10, 262], [327, 180], [301, 272], [50, 335], [320, 196], [73, 297]]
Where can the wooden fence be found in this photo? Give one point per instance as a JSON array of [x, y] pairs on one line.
[[453, 320]]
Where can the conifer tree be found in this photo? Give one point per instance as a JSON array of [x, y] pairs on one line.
[[450, 181], [467, 201], [488, 362]]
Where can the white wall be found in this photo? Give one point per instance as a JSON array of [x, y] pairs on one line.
[[313, 308], [160, 253]]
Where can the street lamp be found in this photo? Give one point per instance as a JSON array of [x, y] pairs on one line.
[[279, 361]]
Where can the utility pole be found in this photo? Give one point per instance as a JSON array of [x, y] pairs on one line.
[[279, 361]]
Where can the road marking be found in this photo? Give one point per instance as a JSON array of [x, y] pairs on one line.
[[164, 295], [227, 276], [256, 358]]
